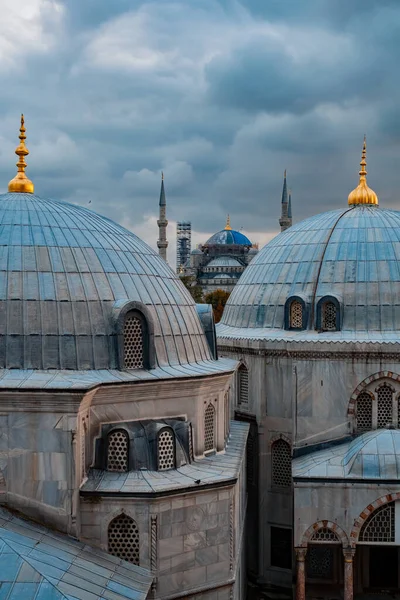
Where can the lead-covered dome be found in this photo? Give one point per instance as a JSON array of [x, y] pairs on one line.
[[65, 275], [350, 254]]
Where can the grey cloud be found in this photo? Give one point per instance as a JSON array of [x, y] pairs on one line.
[[231, 108]]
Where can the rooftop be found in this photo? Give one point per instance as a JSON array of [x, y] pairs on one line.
[[38, 563]]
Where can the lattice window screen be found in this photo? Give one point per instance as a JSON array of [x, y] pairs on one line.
[[281, 464], [296, 315], [320, 562], [329, 312], [385, 406], [133, 343], [379, 527], [243, 385], [364, 412], [117, 455], [123, 539], [325, 535], [209, 428], [166, 450]]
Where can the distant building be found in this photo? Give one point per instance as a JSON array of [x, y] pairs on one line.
[[183, 244], [220, 262]]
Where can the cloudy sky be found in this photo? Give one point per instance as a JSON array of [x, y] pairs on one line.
[[222, 95]]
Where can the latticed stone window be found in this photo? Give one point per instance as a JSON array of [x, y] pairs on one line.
[[385, 406], [320, 562], [133, 342], [281, 464], [364, 412], [123, 538], [329, 314], [209, 428], [325, 535], [117, 452], [243, 376], [296, 315], [379, 527], [166, 450]]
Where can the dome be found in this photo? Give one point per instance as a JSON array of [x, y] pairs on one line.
[[65, 274], [373, 455], [224, 261], [352, 254], [228, 236]]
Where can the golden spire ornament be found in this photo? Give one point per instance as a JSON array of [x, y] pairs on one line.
[[21, 183], [363, 194], [228, 224]]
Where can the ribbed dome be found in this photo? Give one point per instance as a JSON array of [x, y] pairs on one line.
[[64, 271], [228, 236], [351, 253]]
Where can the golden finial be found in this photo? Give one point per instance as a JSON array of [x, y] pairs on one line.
[[228, 224], [363, 194], [284, 174], [162, 175], [21, 183]]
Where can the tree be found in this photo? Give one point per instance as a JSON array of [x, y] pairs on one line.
[[195, 290], [217, 299]]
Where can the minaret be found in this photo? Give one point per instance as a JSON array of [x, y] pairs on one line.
[[289, 212], [21, 183], [286, 219], [162, 224]]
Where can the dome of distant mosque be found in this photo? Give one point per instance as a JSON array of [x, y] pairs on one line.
[[350, 256], [228, 236]]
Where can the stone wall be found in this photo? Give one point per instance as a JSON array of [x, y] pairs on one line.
[[197, 543]]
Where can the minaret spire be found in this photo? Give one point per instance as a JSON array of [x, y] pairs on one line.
[[286, 207], [162, 223], [21, 183]]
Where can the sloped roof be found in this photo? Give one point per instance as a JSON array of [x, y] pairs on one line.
[[39, 564], [373, 455]]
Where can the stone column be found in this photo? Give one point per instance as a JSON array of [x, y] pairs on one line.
[[348, 554], [300, 573]]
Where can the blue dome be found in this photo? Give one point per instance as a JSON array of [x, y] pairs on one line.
[[352, 254], [65, 272], [228, 236]]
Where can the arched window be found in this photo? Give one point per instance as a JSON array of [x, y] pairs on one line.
[[123, 538], [328, 314], [379, 527], [329, 317], [385, 406], [209, 428], [296, 315], [243, 381], [133, 342], [281, 463], [117, 451], [166, 450], [324, 535], [364, 412]]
